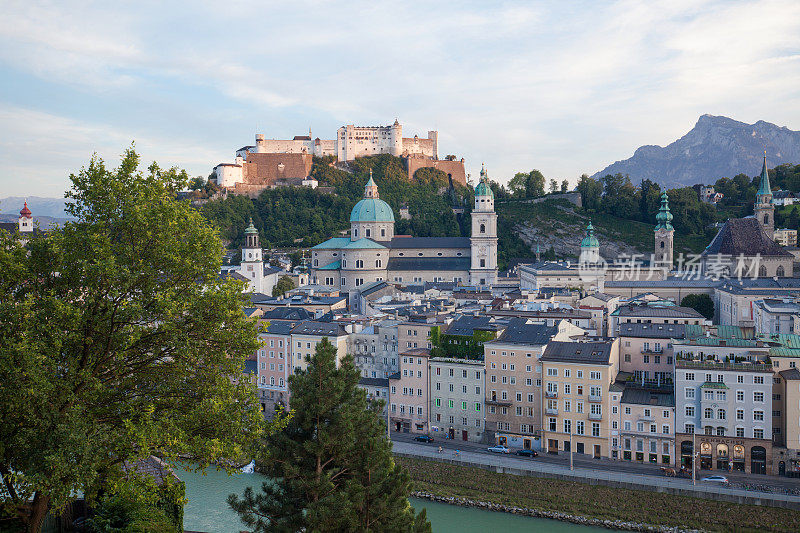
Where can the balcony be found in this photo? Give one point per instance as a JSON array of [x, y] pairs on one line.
[[595, 398], [652, 351], [551, 411], [647, 418], [501, 403], [551, 394], [595, 416]]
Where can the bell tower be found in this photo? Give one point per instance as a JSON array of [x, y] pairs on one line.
[[483, 243], [763, 209], [663, 255], [252, 266]]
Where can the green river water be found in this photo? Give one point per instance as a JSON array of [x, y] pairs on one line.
[[207, 511]]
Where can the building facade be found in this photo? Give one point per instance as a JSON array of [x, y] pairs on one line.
[[457, 398], [409, 393]]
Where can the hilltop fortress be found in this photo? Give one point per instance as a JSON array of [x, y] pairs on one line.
[[276, 162]]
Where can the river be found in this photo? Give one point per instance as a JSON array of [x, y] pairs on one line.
[[208, 512]]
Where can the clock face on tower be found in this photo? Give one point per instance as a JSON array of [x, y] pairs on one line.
[[482, 251]]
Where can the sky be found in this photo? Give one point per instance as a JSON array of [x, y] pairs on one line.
[[564, 87]]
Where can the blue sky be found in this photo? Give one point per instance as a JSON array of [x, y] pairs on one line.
[[565, 87]]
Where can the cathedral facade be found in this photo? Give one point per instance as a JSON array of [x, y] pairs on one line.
[[373, 252]]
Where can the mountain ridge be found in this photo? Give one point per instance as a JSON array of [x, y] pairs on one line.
[[716, 147]]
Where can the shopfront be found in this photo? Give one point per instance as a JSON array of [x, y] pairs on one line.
[[727, 454]]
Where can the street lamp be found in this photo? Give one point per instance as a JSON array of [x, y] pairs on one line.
[[571, 466]]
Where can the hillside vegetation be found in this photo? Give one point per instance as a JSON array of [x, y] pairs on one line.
[[303, 217]]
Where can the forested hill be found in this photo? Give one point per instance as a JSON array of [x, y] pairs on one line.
[[285, 214]]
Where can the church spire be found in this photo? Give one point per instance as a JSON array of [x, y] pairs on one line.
[[370, 189], [763, 186], [664, 217]]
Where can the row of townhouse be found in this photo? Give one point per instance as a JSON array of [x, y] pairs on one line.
[[660, 391]]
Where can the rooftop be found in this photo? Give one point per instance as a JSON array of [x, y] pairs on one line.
[[598, 353]]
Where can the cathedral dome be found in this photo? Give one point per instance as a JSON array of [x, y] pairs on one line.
[[371, 208], [483, 189]]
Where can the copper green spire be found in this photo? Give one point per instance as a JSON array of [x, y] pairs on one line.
[[251, 228], [664, 217], [590, 241], [763, 187]]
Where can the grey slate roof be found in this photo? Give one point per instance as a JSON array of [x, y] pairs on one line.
[[466, 324], [428, 242], [374, 382], [322, 329], [519, 331], [281, 327], [648, 396], [672, 311], [652, 331], [578, 352], [793, 374], [743, 236], [446, 264], [287, 313]]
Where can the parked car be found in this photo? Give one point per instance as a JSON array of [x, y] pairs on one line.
[[423, 438], [499, 449], [716, 479], [527, 453]]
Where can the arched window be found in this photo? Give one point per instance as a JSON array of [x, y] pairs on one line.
[[355, 232], [378, 263], [762, 271], [367, 232], [780, 272], [272, 380], [766, 219], [662, 245], [483, 228], [316, 262]]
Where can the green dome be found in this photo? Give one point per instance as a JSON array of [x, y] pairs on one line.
[[371, 210], [251, 228], [483, 189], [590, 241]]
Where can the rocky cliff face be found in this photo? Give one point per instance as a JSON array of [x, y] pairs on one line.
[[716, 147]]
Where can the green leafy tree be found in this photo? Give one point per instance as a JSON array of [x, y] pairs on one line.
[[118, 339], [553, 186], [284, 284], [702, 303], [195, 184], [534, 184], [564, 186], [591, 192], [331, 466], [517, 184]]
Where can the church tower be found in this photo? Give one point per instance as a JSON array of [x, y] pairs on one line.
[[590, 248], [764, 210], [252, 266], [483, 243], [664, 231], [25, 220]]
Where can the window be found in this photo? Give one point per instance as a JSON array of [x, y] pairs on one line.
[[688, 428], [758, 415], [552, 371], [758, 396], [708, 413], [758, 380], [579, 427], [690, 411], [594, 375], [690, 376], [739, 395], [689, 393], [758, 433], [740, 414]]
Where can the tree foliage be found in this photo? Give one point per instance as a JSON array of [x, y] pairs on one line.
[[331, 466], [702, 303], [284, 284], [118, 340]]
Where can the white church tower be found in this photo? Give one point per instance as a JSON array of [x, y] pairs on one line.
[[252, 265], [483, 243]]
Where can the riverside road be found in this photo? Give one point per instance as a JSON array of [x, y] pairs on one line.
[[645, 475]]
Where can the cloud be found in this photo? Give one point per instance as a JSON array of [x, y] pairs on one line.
[[566, 88]]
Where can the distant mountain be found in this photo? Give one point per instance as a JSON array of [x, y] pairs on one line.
[[39, 206], [716, 147]]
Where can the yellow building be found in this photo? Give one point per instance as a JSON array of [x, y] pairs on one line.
[[577, 377]]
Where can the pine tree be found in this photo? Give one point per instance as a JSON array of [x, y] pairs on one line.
[[331, 467]]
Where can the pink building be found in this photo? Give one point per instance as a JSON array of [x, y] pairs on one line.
[[408, 393], [274, 360]]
